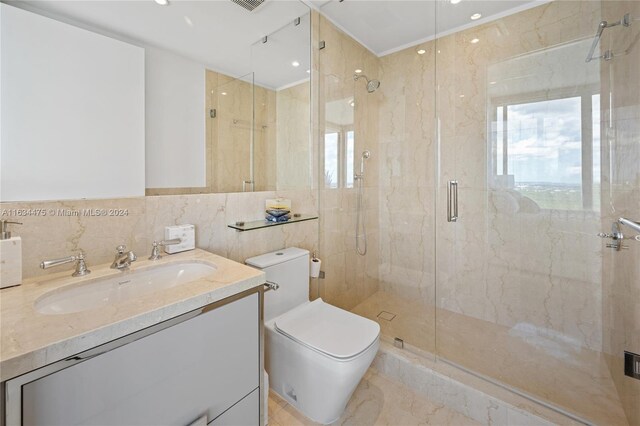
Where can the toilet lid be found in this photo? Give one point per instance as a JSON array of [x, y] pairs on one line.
[[333, 331]]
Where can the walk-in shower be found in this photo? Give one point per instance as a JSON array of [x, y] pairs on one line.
[[543, 146]]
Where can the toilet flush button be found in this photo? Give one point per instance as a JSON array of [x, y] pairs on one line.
[[279, 253]]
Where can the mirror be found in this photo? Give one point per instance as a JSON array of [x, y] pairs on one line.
[[225, 102]]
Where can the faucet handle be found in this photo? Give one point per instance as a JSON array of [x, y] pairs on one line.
[[81, 266], [155, 251], [121, 248], [155, 247]]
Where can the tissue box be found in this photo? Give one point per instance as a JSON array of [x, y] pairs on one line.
[[187, 233], [11, 260]]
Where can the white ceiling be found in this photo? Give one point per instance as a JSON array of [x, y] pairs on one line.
[[386, 26], [216, 33], [225, 37]]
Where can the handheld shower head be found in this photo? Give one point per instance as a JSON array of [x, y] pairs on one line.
[[365, 156], [372, 85]]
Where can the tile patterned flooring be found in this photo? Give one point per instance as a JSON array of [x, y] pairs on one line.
[[377, 400]]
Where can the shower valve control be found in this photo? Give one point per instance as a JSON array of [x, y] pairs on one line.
[[616, 236]]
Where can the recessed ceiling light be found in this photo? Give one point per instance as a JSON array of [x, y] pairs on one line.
[[492, 82], [224, 93], [476, 16], [358, 71], [462, 96], [162, 2], [455, 1], [295, 63], [308, 71], [475, 40], [421, 51], [352, 103]]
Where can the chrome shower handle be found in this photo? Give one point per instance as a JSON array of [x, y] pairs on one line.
[[452, 201], [630, 223]]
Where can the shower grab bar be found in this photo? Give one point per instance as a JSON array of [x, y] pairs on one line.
[[625, 21], [452, 201], [630, 223]]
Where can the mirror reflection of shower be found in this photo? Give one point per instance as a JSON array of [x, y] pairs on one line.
[[361, 233], [372, 85]]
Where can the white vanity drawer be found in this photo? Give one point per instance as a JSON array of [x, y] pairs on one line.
[[202, 365], [245, 413]]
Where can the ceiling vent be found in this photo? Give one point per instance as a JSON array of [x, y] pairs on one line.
[[250, 5]]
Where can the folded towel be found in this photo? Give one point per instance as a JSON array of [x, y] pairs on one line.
[[271, 218], [277, 212]]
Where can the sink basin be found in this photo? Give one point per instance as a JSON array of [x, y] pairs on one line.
[[120, 287]]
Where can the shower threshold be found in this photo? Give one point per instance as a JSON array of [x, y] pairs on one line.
[[571, 382]]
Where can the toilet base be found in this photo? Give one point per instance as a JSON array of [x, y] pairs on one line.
[[315, 384]]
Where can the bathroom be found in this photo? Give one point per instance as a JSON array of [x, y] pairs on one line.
[[465, 172]]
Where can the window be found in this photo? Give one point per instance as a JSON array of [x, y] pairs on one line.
[[549, 151], [339, 146], [349, 159], [331, 160]]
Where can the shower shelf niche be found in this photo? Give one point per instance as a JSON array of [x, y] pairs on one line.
[[259, 224]]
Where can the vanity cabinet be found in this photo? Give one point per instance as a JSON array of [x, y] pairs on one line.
[[207, 365]]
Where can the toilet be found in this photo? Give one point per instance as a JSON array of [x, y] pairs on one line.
[[315, 353]]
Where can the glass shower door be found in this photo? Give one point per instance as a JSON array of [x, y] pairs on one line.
[[519, 267]]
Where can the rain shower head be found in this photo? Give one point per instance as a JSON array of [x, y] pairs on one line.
[[372, 85]]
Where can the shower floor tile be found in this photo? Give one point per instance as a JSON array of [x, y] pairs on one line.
[[378, 400], [572, 378]]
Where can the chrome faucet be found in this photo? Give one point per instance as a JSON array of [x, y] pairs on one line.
[[81, 266], [155, 248], [123, 259]]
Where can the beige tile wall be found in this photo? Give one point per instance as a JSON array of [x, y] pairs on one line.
[[621, 198], [538, 268], [293, 146], [55, 236], [350, 278]]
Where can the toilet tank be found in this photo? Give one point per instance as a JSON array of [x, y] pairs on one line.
[[289, 268]]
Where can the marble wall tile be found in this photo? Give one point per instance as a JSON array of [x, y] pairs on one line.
[[501, 262], [294, 164], [620, 131], [57, 235], [350, 278]]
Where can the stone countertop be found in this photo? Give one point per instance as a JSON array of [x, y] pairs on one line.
[[30, 340]]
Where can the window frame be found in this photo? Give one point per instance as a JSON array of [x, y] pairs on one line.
[[585, 93]]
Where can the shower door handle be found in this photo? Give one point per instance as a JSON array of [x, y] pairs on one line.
[[452, 201], [247, 182]]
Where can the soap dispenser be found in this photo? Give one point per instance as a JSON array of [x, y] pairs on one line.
[[10, 256]]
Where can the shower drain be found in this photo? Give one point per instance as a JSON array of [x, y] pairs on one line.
[[387, 316]]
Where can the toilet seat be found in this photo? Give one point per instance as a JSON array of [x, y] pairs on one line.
[[329, 330]]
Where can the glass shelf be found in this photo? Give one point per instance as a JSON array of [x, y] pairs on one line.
[[259, 224]]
